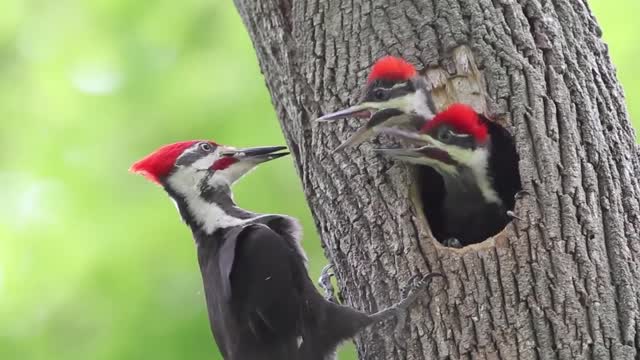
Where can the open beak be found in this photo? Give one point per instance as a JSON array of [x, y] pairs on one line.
[[426, 155], [412, 137], [430, 151], [361, 111], [387, 117], [256, 155], [388, 113]]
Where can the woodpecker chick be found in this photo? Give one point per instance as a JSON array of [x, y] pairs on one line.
[[393, 85], [478, 163], [262, 305]]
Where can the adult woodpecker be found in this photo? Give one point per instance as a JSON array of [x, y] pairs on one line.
[[261, 303], [395, 88], [478, 164]]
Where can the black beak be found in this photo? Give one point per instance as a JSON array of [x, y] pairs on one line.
[[256, 154]]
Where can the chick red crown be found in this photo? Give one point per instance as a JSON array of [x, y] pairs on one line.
[[391, 68], [462, 118]]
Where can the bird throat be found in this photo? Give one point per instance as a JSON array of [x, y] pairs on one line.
[[211, 209]]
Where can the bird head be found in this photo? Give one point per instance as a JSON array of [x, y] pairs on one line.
[[188, 167], [393, 86], [455, 138]]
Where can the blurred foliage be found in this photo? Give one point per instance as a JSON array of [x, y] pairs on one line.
[[94, 262]]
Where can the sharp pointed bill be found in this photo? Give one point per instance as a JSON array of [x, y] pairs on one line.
[[360, 111], [444, 156], [393, 85], [357, 138], [431, 156], [255, 154], [386, 117], [413, 137]]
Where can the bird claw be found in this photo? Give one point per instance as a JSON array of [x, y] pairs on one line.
[[513, 215], [412, 287], [520, 194], [452, 243], [402, 308], [415, 289], [325, 283]]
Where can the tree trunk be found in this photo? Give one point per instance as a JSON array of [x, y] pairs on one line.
[[563, 280]]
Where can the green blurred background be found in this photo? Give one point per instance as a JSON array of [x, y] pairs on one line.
[[94, 262]]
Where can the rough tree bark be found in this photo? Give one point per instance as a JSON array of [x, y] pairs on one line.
[[563, 282]]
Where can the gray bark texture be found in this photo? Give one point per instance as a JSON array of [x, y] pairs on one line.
[[560, 282]]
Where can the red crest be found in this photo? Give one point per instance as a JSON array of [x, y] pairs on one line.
[[462, 118], [160, 162], [391, 68]]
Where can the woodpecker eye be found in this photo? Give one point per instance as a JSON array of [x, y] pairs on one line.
[[379, 94], [205, 147], [445, 135]]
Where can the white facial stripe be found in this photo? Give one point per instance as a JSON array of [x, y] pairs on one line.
[[475, 160], [372, 105], [457, 153], [478, 164], [185, 181], [417, 103], [205, 162]]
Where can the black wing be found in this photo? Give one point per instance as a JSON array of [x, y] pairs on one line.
[[266, 293]]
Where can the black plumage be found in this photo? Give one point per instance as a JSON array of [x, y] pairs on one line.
[[458, 214], [262, 303]]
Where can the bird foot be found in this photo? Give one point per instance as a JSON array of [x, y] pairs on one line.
[[325, 283], [513, 215], [411, 292], [520, 194], [401, 316], [402, 308], [452, 243]]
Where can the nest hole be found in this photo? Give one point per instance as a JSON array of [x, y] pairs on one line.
[[462, 233]]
